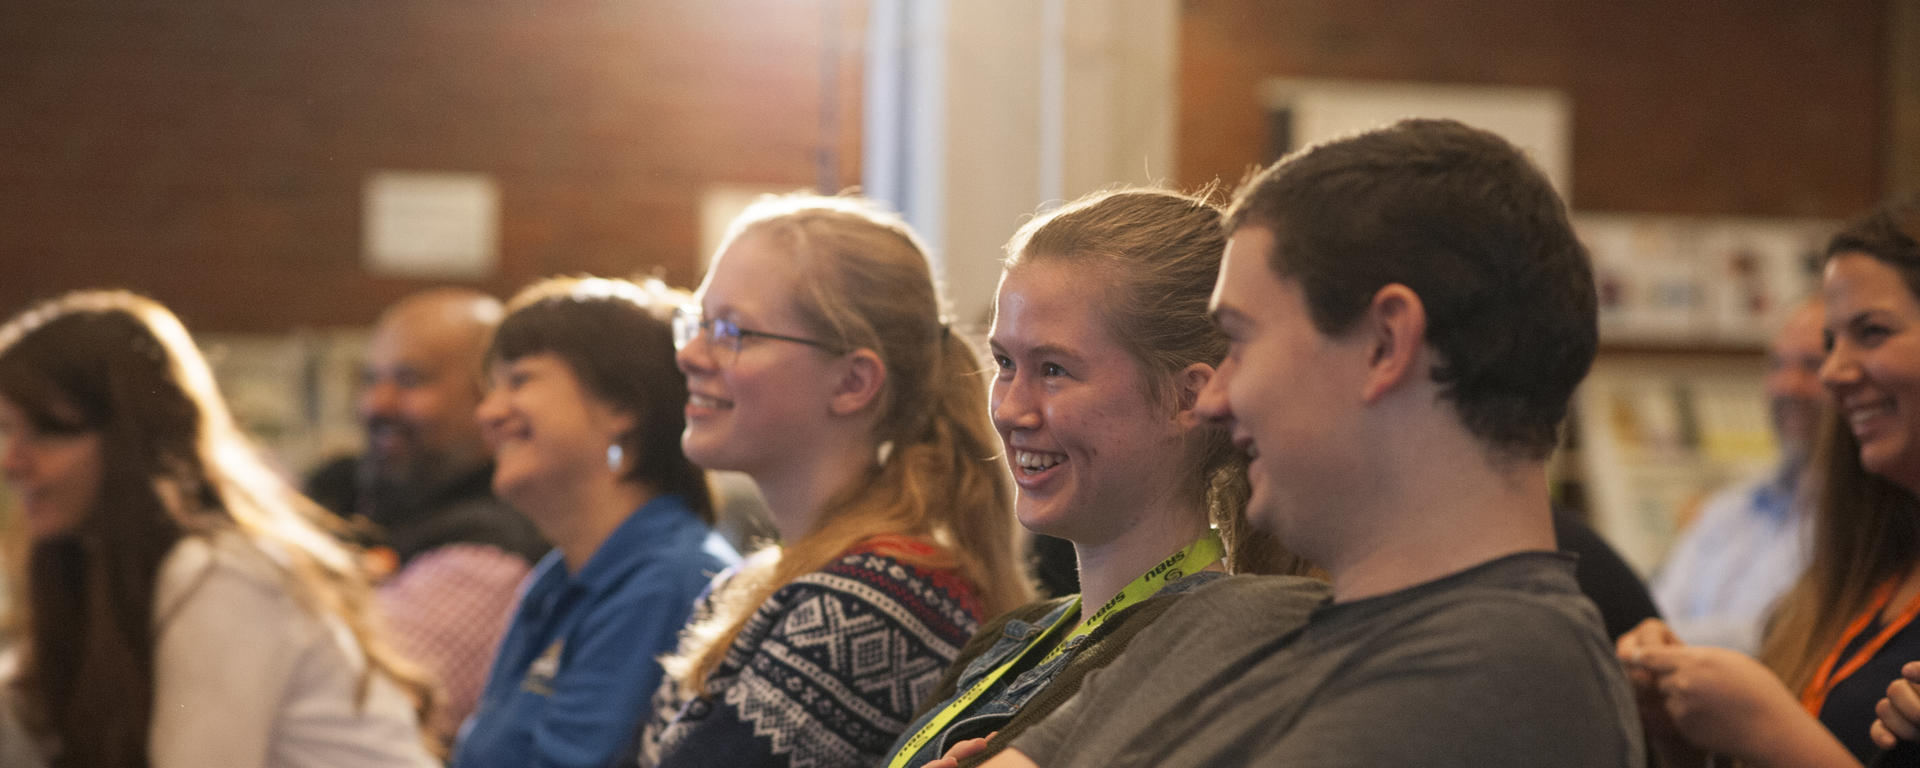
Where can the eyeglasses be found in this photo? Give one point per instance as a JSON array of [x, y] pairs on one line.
[[723, 334]]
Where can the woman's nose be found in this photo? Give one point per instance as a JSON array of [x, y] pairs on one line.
[[1840, 368], [1012, 407]]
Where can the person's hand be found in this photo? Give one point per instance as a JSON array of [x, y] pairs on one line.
[[1649, 635], [961, 750], [1721, 700], [1899, 713]]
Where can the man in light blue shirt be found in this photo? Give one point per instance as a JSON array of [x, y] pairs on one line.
[[1748, 545]]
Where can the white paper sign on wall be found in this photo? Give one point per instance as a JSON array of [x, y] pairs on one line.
[[1537, 120], [430, 225], [719, 204]]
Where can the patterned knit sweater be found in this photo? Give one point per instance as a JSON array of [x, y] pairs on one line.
[[825, 674]]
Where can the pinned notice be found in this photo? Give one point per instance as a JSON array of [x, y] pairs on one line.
[[431, 225]]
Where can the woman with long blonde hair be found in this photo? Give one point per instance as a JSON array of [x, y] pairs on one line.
[[186, 606], [819, 364]]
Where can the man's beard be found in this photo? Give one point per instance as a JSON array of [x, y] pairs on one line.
[[391, 487]]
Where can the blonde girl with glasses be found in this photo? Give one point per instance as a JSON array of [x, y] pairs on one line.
[[818, 363]]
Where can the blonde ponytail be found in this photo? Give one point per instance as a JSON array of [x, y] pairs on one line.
[[867, 284], [1160, 252]]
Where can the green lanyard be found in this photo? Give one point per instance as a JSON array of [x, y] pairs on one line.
[[1197, 556]]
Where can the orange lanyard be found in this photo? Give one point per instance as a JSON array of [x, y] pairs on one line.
[[1814, 697]]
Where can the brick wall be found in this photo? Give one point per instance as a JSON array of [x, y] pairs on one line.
[[1752, 107], [212, 153]]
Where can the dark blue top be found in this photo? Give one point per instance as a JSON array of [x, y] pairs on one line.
[[577, 663], [1848, 712]]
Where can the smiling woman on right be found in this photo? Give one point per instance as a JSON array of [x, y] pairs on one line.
[[1842, 634]]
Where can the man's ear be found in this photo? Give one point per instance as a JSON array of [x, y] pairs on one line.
[[1396, 325], [861, 375], [1187, 385]]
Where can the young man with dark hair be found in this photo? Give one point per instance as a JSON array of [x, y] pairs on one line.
[[1409, 313]]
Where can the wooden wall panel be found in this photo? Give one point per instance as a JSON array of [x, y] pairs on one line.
[[212, 153], [1903, 95], [1752, 107]]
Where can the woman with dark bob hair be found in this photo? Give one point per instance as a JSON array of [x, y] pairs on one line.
[[584, 416], [185, 606]]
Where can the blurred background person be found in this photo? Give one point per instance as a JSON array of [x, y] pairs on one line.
[[584, 414], [451, 554], [1749, 542], [820, 365], [186, 607]]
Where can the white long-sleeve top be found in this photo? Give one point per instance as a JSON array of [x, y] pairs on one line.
[[246, 676]]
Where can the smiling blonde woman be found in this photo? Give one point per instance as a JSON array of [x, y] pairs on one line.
[[819, 364], [1101, 345]]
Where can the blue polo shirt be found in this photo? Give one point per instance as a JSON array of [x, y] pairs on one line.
[[580, 660]]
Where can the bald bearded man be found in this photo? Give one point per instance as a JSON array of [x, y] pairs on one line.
[[453, 555]]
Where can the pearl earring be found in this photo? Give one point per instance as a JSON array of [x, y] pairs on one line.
[[616, 458]]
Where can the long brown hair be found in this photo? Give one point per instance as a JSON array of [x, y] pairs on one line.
[[866, 283], [1866, 529], [121, 366], [1153, 257]]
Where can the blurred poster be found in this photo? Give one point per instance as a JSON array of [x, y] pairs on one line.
[[1677, 281], [1660, 433]]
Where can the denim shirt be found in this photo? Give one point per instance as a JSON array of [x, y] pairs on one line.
[[1001, 701], [1744, 550]]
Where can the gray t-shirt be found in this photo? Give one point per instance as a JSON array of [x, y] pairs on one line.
[[1501, 664]]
